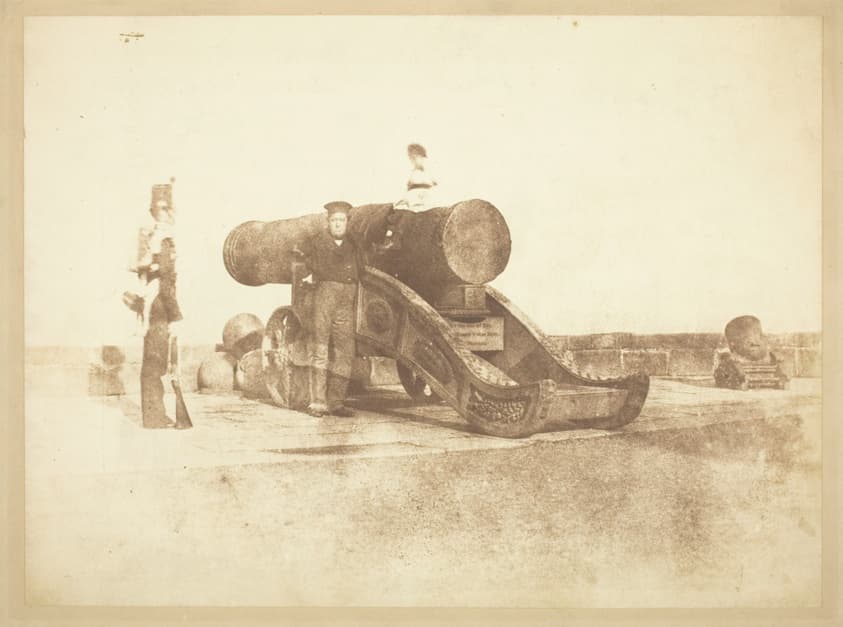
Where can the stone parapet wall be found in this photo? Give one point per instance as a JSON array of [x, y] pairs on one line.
[[111, 370], [681, 354], [58, 371]]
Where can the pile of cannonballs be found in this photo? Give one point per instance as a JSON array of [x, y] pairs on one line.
[[226, 369]]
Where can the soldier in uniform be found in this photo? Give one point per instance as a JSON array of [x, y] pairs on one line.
[[164, 309], [334, 260]]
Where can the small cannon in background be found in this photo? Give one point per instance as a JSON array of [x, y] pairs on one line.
[[424, 301], [748, 363]]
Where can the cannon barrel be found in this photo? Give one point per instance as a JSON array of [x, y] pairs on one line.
[[467, 243], [257, 253]]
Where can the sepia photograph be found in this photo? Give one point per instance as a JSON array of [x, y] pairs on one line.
[[423, 311]]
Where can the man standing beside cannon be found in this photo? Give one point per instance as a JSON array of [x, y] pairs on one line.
[[333, 259], [430, 308]]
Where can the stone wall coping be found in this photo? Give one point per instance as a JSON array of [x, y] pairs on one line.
[[53, 355], [670, 341]]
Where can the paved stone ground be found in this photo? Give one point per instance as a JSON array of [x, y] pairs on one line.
[[710, 498]]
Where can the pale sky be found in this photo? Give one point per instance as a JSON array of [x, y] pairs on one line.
[[657, 174]]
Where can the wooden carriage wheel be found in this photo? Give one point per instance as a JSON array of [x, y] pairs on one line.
[[285, 350]]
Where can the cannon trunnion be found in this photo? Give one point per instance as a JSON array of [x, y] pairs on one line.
[[423, 301]]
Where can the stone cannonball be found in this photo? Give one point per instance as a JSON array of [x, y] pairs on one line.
[[216, 373], [248, 376], [241, 334]]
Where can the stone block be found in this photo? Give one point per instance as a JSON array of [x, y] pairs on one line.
[[779, 340], [795, 340], [810, 340], [677, 340], [105, 365], [651, 362], [559, 342], [383, 371], [611, 340], [788, 357], [572, 342], [809, 362], [599, 362], [105, 381], [691, 362]]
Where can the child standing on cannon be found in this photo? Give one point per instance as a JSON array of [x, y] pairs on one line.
[[417, 197]]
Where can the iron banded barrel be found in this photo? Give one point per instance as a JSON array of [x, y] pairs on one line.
[[467, 243]]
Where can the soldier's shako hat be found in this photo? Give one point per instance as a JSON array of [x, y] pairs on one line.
[[416, 150], [163, 192], [338, 206]]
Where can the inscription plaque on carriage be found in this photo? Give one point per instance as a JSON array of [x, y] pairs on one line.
[[484, 335]]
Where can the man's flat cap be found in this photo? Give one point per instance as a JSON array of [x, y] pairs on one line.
[[338, 206]]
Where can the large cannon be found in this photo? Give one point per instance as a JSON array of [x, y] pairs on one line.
[[423, 301], [439, 253]]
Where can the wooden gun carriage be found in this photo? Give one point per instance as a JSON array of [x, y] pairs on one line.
[[424, 301]]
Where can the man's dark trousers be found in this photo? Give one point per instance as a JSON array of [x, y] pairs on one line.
[[333, 331], [155, 354]]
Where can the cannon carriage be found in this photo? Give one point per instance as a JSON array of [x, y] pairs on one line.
[[424, 301]]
